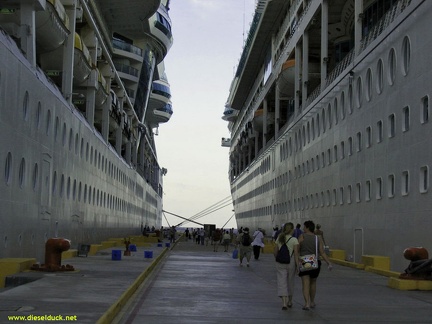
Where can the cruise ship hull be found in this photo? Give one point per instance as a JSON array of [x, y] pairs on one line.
[[69, 168], [355, 155]]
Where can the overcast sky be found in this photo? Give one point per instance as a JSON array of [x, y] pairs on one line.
[[208, 41]]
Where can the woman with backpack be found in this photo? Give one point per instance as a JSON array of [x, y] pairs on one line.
[[286, 252], [244, 241]]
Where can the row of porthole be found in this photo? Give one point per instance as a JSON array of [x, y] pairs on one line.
[[331, 199], [304, 169], [99, 197], [98, 160], [304, 136]]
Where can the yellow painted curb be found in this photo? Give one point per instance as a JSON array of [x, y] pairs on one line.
[[406, 284], [385, 273], [10, 266], [115, 308], [348, 264]]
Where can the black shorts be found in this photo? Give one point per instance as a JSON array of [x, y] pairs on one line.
[[312, 273]]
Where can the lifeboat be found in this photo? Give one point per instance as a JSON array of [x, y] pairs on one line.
[[52, 26], [286, 81], [52, 62], [258, 120]]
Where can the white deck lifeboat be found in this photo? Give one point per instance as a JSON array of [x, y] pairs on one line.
[[258, 120]]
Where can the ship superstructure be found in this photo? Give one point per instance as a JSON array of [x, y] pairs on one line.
[[82, 90], [330, 121]]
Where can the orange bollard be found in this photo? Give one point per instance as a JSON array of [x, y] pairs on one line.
[[416, 253]]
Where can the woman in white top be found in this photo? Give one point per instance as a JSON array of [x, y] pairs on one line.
[[286, 272]]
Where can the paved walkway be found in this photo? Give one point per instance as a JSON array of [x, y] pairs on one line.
[[193, 284], [196, 285]]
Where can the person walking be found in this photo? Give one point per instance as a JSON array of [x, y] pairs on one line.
[[258, 243], [226, 240], [244, 241], [286, 271], [311, 244]]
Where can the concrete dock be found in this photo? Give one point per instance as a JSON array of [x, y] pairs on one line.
[[192, 284]]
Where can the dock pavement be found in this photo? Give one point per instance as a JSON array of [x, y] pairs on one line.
[[193, 284]]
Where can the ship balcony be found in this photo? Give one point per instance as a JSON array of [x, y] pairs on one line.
[[230, 114], [126, 50], [160, 28], [162, 115], [127, 72], [160, 92]]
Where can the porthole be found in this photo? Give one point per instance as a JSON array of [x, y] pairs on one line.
[[54, 183], [391, 67], [48, 122], [369, 85], [64, 135], [380, 77], [406, 55], [38, 114], [342, 105], [350, 99], [56, 126], [68, 188], [62, 180], [359, 92], [35, 176], [8, 168], [70, 139], [21, 176], [76, 144], [25, 105]]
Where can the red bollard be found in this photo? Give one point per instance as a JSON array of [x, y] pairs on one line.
[[416, 253], [53, 252]]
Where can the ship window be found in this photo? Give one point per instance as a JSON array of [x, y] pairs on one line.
[[369, 85], [48, 122], [342, 105], [74, 190], [379, 188], [392, 67], [358, 192], [380, 77], [89, 195], [91, 154], [392, 125], [94, 195], [317, 162], [335, 153], [318, 125], [313, 129], [76, 143], [334, 197], [56, 126], [368, 190], [424, 179], [79, 191], [38, 114], [322, 198], [62, 186], [35, 176], [406, 119], [323, 159], [87, 151], [342, 151], [350, 99], [308, 133], [64, 135], [359, 92], [70, 139], [329, 157], [380, 131], [25, 105], [328, 198], [341, 196], [424, 116], [349, 194], [350, 146], [323, 121], [54, 183], [391, 186], [329, 113], [312, 165], [21, 175], [406, 55], [335, 104], [68, 188], [368, 136], [359, 142], [405, 183]]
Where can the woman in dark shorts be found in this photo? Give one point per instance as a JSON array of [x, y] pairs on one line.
[[308, 246]]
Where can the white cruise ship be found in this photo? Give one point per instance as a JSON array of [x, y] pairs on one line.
[[329, 116], [82, 92]]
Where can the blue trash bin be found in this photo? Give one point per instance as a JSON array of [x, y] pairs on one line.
[[116, 255], [148, 254], [132, 248], [159, 245], [167, 244]]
